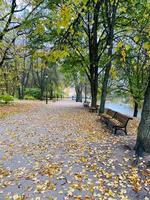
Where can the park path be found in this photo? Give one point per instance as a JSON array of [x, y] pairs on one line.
[[61, 151]]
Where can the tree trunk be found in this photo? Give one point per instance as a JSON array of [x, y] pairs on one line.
[[135, 109], [19, 93], [42, 92], [94, 91], [111, 18], [94, 51], [78, 89], [23, 91], [51, 94], [106, 75], [143, 136], [104, 89], [85, 93]]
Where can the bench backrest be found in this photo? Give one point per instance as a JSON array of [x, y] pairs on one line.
[[110, 112], [122, 118]]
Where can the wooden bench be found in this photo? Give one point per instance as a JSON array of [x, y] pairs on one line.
[[93, 109], [108, 115], [116, 121], [86, 104]]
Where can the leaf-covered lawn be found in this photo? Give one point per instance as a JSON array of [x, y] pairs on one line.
[[15, 107], [61, 151]]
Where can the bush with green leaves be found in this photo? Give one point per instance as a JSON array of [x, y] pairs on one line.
[[28, 97], [6, 98], [34, 92]]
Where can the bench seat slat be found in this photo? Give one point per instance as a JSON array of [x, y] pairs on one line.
[[108, 115]]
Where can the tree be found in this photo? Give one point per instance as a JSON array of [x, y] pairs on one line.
[[74, 74], [12, 70], [132, 53], [109, 17], [143, 135], [94, 41], [14, 18], [136, 71]]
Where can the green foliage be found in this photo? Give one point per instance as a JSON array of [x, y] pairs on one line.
[[32, 92], [29, 97], [58, 92], [6, 98]]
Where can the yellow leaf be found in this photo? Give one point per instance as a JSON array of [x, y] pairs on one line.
[[83, 159], [123, 53], [136, 38], [120, 44], [146, 45]]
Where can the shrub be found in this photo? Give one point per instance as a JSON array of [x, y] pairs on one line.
[[6, 98], [29, 97], [34, 92]]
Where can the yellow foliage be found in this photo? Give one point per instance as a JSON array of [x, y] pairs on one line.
[[18, 197], [40, 29], [83, 159], [119, 45], [146, 45], [134, 180], [57, 54], [127, 47], [136, 38], [64, 16], [77, 2], [123, 53], [113, 72]]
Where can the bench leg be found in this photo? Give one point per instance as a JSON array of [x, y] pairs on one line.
[[125, 131], [117, 128], [106, 122], [115, 131]]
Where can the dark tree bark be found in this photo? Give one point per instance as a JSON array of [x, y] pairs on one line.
[[94, 91], [51, 90], [19, 93], [85, 93], [51, 94], [143, 135], [42, 93], [93, 53], [78, 89], [104, 86], [135, 109]]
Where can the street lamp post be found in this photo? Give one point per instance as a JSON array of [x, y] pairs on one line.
[[46, 77]]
